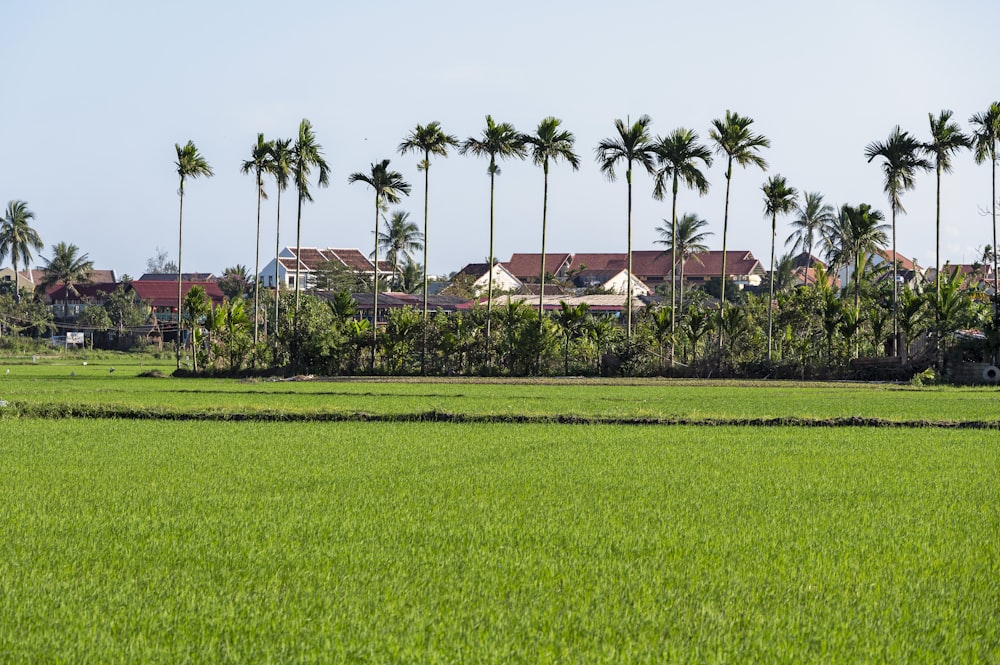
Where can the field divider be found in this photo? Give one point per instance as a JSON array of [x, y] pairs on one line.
[[58, 411]]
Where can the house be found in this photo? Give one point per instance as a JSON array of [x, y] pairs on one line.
[[907, 271], [310, 261], [22, 278], [976, 276], [618, 283], [172, 277], [161, 296], [653, 268], [67, 304], [478, 276]]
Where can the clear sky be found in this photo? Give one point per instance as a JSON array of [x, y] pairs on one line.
[[96, 94]]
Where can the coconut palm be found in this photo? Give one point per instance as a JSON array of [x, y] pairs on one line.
[[504, 142], [985, 136], [306, 153], [430, 140], [678, 155], [779, 199], [400, 237], [902, 158], [279, 166], [67, 267], [812, 215], [633, 144], [733, 138], [258, 164], [388, 186], [190, 164], [946, 140], [689, 241], [857, 232], [18, 238], [549, 143]]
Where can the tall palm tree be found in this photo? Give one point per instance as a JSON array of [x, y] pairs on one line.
[[678, 155], [779, 199], [279, 166], [400, 237], [305, 155], [946, 140], [689, 241], [733, 138], [985, 137], [812, 215], [430, 140], [632, 144], [18, 238], [497, 141], [549, 143], [68, 267], [258, 164], [190, 164], [902, 158], [388, 186]]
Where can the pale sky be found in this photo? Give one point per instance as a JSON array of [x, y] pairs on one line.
[[96, 94]]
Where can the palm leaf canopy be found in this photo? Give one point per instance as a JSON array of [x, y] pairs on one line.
[[388, 185], [812, 216], [986, 133], [190, 163], [499, 140], [429, 139], [678, 155], [901, 155], [279, 164], [550, 143], [691, 238], [779, 198], [633, 143], [17, 237], [306, 154], [946, 139], [733, 138], [258, 164], [67, 266]]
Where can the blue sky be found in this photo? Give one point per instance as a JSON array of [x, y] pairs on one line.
[[97, 94]]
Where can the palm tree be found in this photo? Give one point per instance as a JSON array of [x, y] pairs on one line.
[[549, 143], [985, 136], [678, 155], [279, 166], [68, 267], [946, 139], [190, 164], [503, 141], [258, 164], [812, 216], [779, 199], [401, 236], [901, 153], [430, 140], [305, 155], [388, 186], [858, 232], [632, 144], [18, 238], [690, 241], [733, 138]]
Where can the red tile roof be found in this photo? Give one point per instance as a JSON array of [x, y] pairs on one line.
[[655, 264], [526, 266], [164, 294], [312, 259], [904, 263]]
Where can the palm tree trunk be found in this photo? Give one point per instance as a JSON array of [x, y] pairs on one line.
[[937, 237], [895, 289], [489, 290], [857, 294], [725, 229], [298, 261], [770, 300], [180, 249], [375, 289], [427, 186], [628, 277], [673, 269], [277, 282], [996, 275], [541, 281], [256, 272]]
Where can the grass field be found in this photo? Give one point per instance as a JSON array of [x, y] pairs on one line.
[[128, 540]]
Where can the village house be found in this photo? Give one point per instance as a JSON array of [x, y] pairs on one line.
[[311, 261]]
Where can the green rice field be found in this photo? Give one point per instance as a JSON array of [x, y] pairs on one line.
[[164, 540]]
